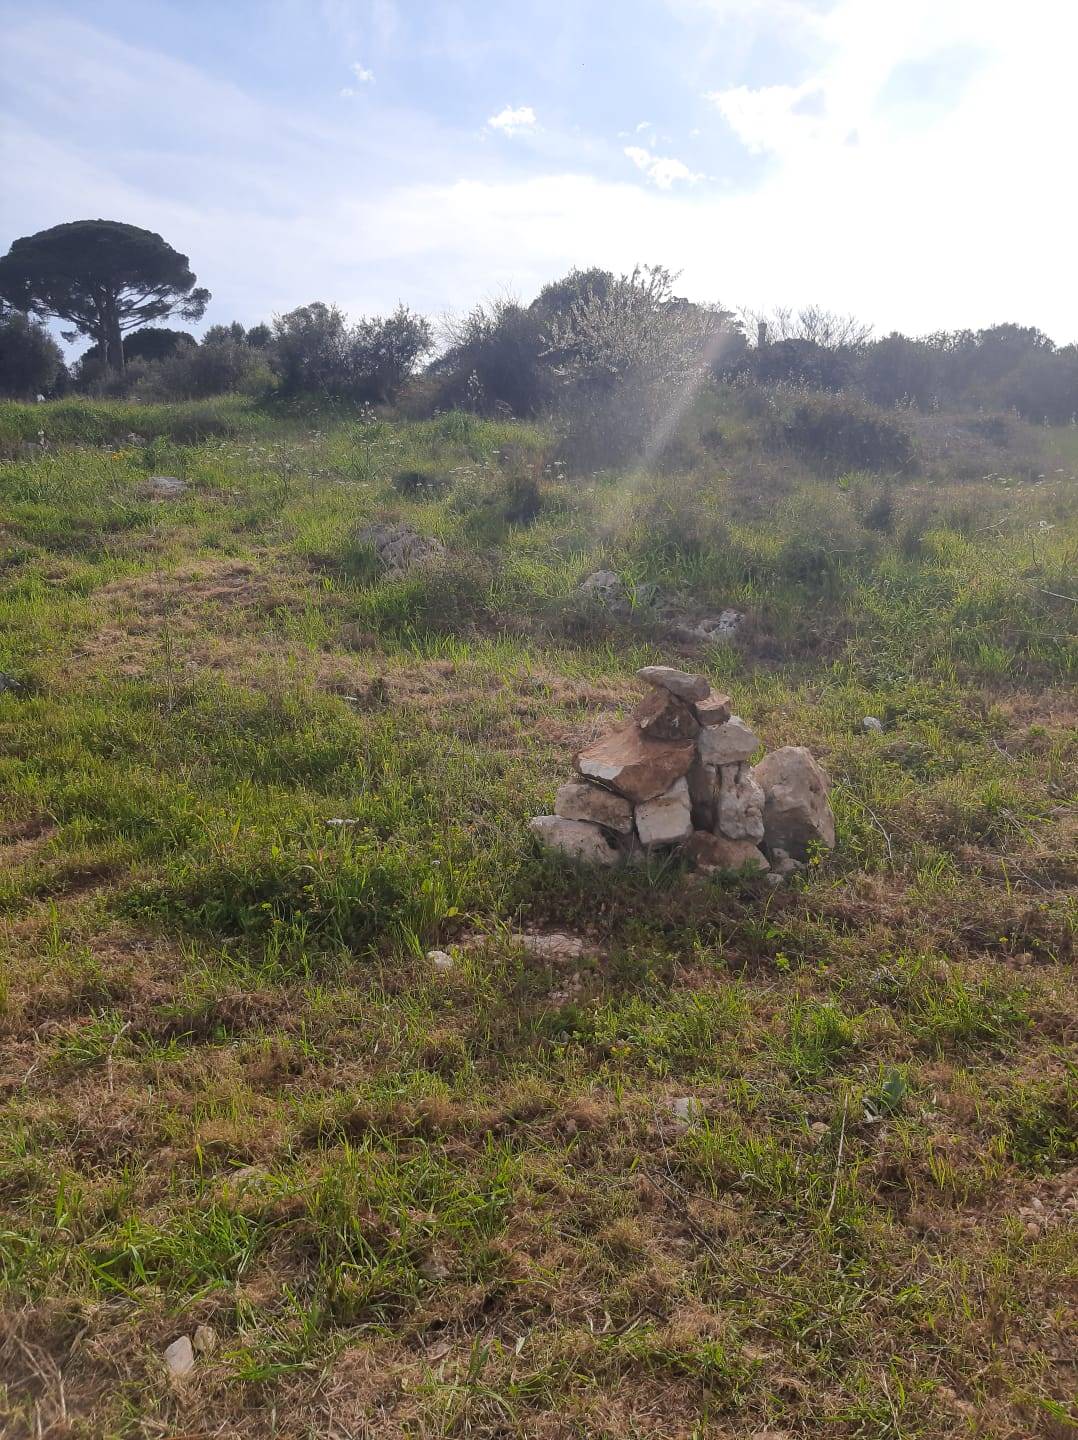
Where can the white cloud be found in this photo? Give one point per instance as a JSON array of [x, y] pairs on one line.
[[362, 74], [661, 170], [511, 121]]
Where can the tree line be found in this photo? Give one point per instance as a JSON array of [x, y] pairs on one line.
[[624, 345]]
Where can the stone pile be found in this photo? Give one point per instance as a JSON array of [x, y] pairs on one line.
[[678, 775]]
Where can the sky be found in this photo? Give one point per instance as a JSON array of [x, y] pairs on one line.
[[905, 161]]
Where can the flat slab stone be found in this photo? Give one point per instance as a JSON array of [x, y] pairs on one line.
[[678, 682], [727, 744], [580, 800], [575, 838], [635, 766], [667, 819], [714, 852]]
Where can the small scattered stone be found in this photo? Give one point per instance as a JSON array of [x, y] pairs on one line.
[[441, 960], [668, 818], [204, 1340], [662, 716], [180, 1357], [686, 1110], [678, 682], [712, 630], [740, 804], [434, 1269], [820, 1128], [773, 880], [783, 863], [713, 709], [797, 812], [580, 800], [727, 744], [635, 766], [575, 838], [871, 723]]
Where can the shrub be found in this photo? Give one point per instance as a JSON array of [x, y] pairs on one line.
[[495, 362], [419, 484], [219, 367], [316, 350], [842, 432], [30, 359], [491, 500]]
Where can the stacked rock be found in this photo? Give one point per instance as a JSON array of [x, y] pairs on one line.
[[679, 775]]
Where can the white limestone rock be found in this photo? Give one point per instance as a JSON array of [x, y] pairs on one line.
[[727, 744], [576, 838], [667, 819], [740, 804], [797, 812], [579, 800]]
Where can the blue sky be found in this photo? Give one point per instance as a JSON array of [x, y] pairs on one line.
[[904, 160]]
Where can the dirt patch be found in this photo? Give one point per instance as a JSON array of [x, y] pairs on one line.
[[21, 839]]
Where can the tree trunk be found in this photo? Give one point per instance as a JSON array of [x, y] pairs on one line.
[[114, 345]]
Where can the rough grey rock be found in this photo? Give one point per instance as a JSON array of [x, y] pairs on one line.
[[399, 548], [580, 800], [740, 804], [575, 838], [714, 709], [180, 1357], [441, 960], [667, 819], [678, 682], [164, 487], [605, 587], [555, 946], [662, 716], [797, 812], [727, 744], [635, 766], [871, 723]]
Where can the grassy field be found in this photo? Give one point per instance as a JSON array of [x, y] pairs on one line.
[[409, 1203]]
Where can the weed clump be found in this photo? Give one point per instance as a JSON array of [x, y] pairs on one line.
[[841, 432]]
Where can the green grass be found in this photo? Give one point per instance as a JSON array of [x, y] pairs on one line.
[[413, 1204]]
